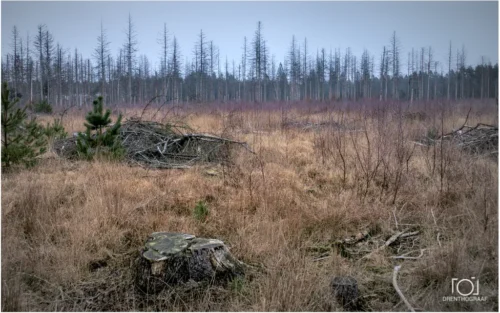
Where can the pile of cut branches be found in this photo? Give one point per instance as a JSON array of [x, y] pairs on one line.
[[481, 139], [403, 244], [156, 145]]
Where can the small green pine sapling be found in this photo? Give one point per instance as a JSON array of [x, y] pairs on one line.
[[55, 130], [22, 141], [100, 138], [201, 211]]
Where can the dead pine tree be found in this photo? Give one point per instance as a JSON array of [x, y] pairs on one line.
[[130, 48], [101, 54]]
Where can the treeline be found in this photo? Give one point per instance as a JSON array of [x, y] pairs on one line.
[[38, 69]]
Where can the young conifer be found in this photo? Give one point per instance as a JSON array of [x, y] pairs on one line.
[[22, 141], [100, 137]]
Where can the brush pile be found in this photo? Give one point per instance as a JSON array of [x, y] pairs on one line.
[[481, 139], [405, 244], [155, 145]]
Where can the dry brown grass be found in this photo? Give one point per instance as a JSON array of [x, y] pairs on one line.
[[70, 231]]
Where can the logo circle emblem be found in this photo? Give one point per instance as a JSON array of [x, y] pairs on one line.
[[471, 289]]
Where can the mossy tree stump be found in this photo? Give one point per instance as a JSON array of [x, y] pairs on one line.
[[172, 258]]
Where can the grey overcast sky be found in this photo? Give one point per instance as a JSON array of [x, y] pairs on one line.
[[331, 25]]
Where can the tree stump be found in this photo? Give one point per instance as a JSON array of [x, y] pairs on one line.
[[172, 258], [345, 291]]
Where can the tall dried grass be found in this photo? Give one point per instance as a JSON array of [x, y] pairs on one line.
[[70, 231]]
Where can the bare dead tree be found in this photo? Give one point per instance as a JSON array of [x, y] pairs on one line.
[[130, 49], [16, 58], [164, 59], [101, 54], [429, 62], [395, 51], [382, 74], [449, 72], [39, 46], [175, 64]]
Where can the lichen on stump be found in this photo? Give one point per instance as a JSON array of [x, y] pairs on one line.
[[172, 258]]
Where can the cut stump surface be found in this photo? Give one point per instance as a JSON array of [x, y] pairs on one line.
[[172, 258]]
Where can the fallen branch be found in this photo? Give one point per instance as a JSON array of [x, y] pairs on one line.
[[353, 239], [419, 143], [394, 238], [391, 240], [405, 235], [400, 293], [406, 257]]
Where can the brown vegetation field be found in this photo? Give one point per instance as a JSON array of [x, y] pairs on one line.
[[72, 229]]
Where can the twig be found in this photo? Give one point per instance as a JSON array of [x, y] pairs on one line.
[[434, 217], [395, 219], [455, 131], [321, 258], [420, 144], [391, 240], [65, 110], [405, 255], [394, 238], [400, 293], [414, 233], [147, 105]]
